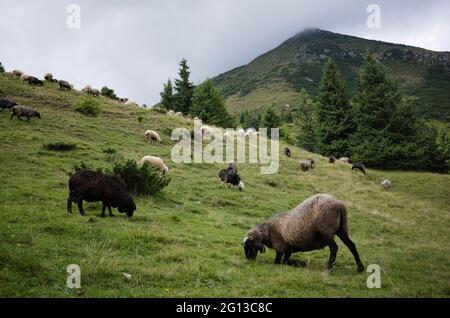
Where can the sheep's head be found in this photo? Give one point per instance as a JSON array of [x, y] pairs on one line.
[[37, 115], [166, 169], [241, 185], [252, 246], [127, 206]]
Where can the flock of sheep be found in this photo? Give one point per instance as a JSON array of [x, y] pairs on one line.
[[310, 226]]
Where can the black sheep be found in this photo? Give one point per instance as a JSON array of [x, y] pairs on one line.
[[230, 177], [6, 103], [287, 152], [35, 81], [64, 85], [233, 167], [93, 186], [360, 167], [332, 159]]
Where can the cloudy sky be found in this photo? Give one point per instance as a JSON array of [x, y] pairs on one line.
[[134, 46]]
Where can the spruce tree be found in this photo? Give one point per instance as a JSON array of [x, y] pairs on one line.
[[2, 69], [209, 105], [184, 89], [304, 110], [167, 97], [333, 114], [270, 120]]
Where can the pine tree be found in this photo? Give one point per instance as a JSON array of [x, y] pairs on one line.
[[304, 110], [333, 114], [2, 69], [184, 89], [270, 120], [167, 97], [209, 105]]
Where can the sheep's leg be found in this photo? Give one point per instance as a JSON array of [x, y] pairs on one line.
[[80, 207], [103, 210], [352, 247], [333, 251], [278, 257], [69, 206], [110, 211], [287, 255]]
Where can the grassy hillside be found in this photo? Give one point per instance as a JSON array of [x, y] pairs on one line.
[[279, 75], [186, 240]]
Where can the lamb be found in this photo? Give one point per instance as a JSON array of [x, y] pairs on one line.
[[93, 186], [152, 136], [386, 184], [287, 152], [155, 162], [230, 177], [24, 111], [48, 77], [64, 85], [307, 227], [35, 81], [332, 159], [6, 103], [305, 165], [360, 167]]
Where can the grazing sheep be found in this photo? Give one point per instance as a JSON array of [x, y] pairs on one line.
[[179, 114], [360, 167], [332, 159], [87, 89], [48, 77], [6, 103], [307, 227], [344, 160], [155, 162], [93, 186], [196, 119], [95, 92], [24, 77], [152, 136], [386, 184], [35, 81], [305, 165], [17, 73], [64, 85], [232, 167], [170, 112], [24, 111], [230, 177], [287, 152]]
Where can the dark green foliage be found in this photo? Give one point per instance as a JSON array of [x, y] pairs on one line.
[[305, 121], [184, 89], [88, 106], [167, 96], [270, 120], [250, 119], [2, 69], [140, 119], [389, 133], [144, 179], [60, 146], [209, 105], [333, 114], [108, 92]]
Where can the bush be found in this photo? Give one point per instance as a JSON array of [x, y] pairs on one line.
[[145, 179], [88, 106], [2, 69], [60, 146], [140, 119]]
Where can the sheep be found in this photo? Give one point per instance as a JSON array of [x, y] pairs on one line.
[[64, 85], [6, 103], [17, 73], [360, 167], [95, 92], [287, 152], [344, 160], [155, 162], [249, 132], [307, 227], [196, 119], [179, 114], [48, 77], [93, 186], [227, 136], [305, 165], [332, 159], [24, 77], [131, 103], [87, 89], [206, 130], [152, 136], [232, 167], [24, 111], [170, 112], [229, 177], [386, 184], [35, 81]]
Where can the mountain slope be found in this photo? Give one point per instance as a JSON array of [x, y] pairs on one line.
[[186, 240], [278, 75]]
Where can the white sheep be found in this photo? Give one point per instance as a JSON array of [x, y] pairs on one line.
[[17, 73], [344, 160], [386, 184], [155, 162], [152, 136], [227, 136], [24, 77], [179, 114], [170, 112]]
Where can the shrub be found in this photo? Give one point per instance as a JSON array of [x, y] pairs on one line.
[[60, 146], [88, 106], [145, 179], [2, 69], [140, 119]]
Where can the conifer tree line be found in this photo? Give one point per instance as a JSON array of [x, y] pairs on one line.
[[377, 126]]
